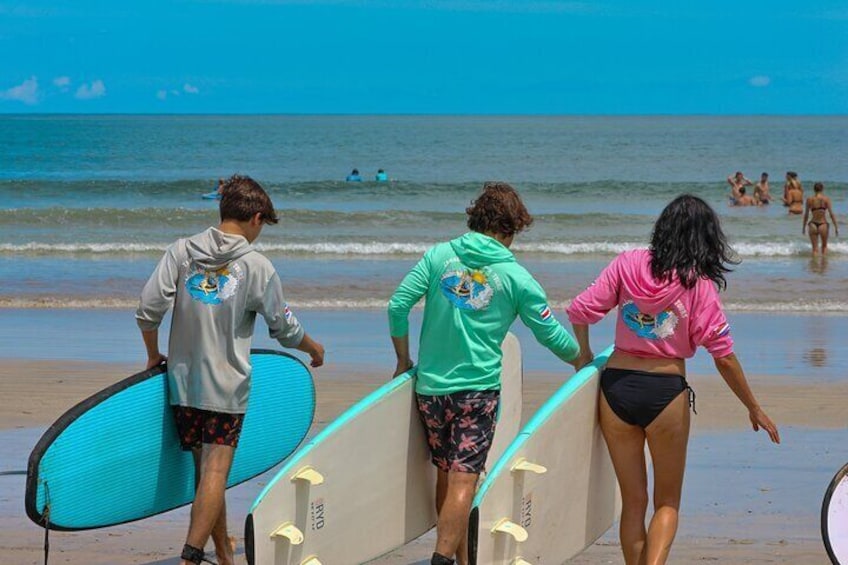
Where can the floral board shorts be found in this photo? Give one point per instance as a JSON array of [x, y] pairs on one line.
[[196, 427], [460, 428]]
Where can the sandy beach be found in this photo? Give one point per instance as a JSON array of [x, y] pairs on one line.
[[715, 525]]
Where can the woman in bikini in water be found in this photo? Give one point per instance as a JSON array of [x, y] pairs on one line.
[[793, 193], [819, 205], [668, 304]]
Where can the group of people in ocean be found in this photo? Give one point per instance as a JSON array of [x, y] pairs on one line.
[[666, 298], [815, 209], [354, 176]]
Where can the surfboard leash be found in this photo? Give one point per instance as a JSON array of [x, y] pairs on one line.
[[46, 518], [193, 554]]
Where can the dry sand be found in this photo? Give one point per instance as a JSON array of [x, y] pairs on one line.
[[34, 395]]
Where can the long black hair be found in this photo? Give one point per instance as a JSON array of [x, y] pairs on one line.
[[688, 241]]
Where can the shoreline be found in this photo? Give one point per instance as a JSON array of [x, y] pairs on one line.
[[52, 387], [738, 512]]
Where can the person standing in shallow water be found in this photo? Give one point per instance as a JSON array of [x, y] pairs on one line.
[[737, 181], [668, 304], [793, 193], [474, 290], [762, 196], [819, 206]]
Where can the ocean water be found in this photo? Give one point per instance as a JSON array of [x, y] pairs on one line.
[[88, 203]]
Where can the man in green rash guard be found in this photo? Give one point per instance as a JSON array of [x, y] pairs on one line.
[[475, 289]]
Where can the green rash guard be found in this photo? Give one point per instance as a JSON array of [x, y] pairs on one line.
[[475, 289]]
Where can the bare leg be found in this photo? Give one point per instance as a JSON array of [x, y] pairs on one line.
[[441, 489], [626, 445], [452, 527], [208, 505], [225, 545], [813, 231], [824, 231], [668, 437]]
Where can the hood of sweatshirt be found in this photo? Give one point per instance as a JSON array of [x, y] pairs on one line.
[[650, 295], [214, 249], [476, 250]]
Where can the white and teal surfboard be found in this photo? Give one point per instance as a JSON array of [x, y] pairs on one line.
[[364, 485], [115, 457], [554, 491]]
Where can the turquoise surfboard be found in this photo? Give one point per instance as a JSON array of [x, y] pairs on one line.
[[115, 457]]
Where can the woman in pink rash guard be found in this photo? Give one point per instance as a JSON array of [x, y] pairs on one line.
[[668, 305]]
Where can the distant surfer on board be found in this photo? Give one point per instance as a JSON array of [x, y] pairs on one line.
[[668, 305], [217, 283], [354, 176], [474, 290]]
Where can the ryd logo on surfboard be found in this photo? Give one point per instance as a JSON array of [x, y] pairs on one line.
[[316, 513]]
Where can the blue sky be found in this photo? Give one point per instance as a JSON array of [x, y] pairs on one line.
[[436, 56]]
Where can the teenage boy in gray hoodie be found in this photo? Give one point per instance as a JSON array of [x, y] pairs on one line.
[[217, 283]]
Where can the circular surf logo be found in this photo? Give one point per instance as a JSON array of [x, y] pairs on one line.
[[648, 326], [468, 290], [211, 287]]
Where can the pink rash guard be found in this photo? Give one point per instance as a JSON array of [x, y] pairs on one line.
[[655, 318]]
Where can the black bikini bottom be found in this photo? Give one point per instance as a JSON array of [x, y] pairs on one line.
[[638, 397]]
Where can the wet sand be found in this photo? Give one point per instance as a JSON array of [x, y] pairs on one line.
[[734, 524]]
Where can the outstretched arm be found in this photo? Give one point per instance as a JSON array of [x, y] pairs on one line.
[[411, 289], [535, 313], [806, 215], [151, 344], [404, 361], [832, 216], [312, 348], [731, 371], [581, 334]]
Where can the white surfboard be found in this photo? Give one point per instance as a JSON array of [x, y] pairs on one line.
[[364, 485], [834, 518], [554, 491]]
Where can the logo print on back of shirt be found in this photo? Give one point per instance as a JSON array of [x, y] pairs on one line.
[[211, 287], [647, 326], [467, 289]]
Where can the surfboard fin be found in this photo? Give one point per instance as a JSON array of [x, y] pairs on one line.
[[311, 560], [504, 526], [289, 531], [524, 465], [308, 474], [520, 561]]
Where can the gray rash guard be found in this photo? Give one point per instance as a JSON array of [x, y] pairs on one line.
[[217, 284]]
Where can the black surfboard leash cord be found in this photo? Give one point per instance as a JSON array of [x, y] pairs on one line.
[[45, 517]]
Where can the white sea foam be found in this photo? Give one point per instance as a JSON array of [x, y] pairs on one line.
[[376, 248], [71, 248]]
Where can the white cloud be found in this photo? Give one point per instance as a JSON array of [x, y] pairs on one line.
[[26, 92], [161, 94], [62, 83], [760, 81], [90, 91], [175, 92], [190, 89]]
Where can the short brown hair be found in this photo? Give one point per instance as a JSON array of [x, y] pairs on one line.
[[242, 198], [498, 210]]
